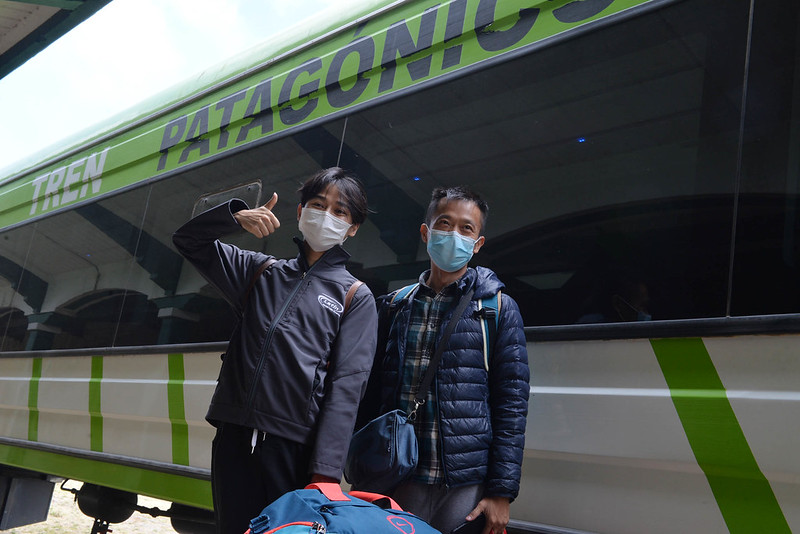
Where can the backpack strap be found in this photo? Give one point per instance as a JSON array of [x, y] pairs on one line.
[[489, 312], [261, 268], [349, 297]]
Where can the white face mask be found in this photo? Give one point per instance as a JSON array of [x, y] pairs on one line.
[[322, 230]]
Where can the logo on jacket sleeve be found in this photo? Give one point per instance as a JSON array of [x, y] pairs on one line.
[[330, 303]]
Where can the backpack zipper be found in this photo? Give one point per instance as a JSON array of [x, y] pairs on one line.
[[315, 527]]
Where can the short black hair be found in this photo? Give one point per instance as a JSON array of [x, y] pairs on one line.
[[351, 191], [458, 192]]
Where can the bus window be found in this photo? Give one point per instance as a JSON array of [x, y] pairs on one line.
[[766, 274], [13, 325], [21, 291], [85, 263], [615, 152], [194, 311]]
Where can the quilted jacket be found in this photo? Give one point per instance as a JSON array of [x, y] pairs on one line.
[[482, 408]]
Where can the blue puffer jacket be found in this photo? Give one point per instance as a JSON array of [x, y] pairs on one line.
[[482, 413]]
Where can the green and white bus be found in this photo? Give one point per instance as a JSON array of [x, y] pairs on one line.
[[641, 159]]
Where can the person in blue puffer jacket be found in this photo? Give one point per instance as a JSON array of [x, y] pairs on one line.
[[471, 429]]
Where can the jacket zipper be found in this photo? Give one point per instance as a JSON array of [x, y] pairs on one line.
[[441, 437], [262, 358], [438, 415]]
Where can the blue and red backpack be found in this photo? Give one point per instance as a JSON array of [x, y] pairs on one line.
[[325, 508]]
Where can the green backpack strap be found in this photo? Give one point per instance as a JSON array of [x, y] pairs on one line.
[[489, 312]]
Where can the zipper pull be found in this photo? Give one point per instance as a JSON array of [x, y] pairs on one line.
[[318, 527]]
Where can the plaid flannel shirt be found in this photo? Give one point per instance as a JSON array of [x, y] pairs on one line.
[[427, 312]]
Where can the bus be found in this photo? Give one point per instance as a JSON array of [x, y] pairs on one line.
[[640, 159]]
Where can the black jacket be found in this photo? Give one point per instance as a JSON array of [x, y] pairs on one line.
[[296, 366]]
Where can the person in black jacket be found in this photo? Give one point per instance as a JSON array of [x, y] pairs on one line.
[[471, 429], [298, 361]]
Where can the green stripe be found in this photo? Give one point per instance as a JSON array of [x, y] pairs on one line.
[[177, 412], [33, 400], [95, 405], [170, 487], [743, 494]]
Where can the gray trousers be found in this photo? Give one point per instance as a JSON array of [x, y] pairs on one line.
[[444, 508]]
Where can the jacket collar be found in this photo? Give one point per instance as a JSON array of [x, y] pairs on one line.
[[335, 256], [484, 281]]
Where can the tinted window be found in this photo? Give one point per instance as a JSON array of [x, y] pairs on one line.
[[615, 164], [608, 161], [192, 310], [79, 284], [766, 274]]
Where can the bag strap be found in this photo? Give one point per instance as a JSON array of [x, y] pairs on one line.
[[261, 268], [381, 501], [422, 392], [349, 296]]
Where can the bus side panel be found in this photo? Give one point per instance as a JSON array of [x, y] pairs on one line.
[[605, 450], [663, 436], [147, 407], [63, 403], [201, 375], [136, 418], [154, 407], [760, 374], [15, 379]]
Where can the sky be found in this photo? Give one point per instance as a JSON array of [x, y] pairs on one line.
[[126, 52]]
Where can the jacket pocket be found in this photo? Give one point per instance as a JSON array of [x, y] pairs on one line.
[[317, 393]]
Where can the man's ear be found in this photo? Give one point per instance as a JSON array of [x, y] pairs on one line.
[[353, 229], [299, 210], [478, 244], [423, 231]]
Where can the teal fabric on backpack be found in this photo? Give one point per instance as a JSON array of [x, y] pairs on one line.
[[403, 292], [489, 312]]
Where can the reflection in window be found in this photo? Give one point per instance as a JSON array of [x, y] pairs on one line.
[[766, 274], [610, 163], [13, 325], [77, 272], [612, 152], [192, 310], [106, 318]]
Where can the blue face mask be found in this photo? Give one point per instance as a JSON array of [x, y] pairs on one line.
[[450, 251]]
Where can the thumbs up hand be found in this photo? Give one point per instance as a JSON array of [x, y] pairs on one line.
[[259, 221]]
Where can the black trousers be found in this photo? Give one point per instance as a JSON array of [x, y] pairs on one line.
[[242, 483]]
